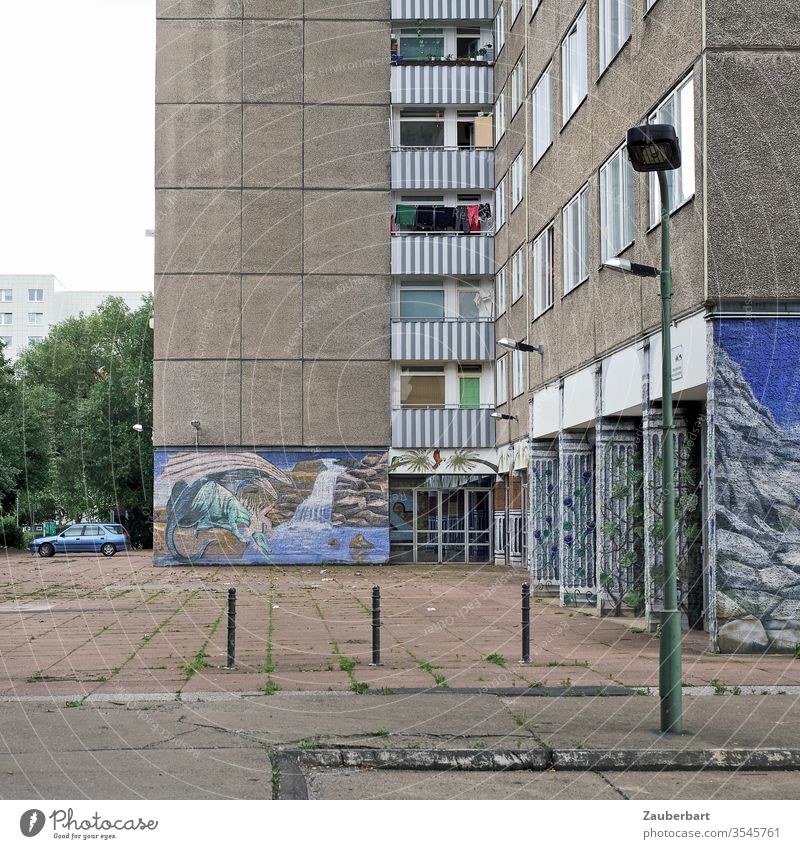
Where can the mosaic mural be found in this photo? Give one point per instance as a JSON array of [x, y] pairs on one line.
[[244, 507], [757, 462]]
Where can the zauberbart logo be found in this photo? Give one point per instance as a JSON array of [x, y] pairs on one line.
[[31, 822]]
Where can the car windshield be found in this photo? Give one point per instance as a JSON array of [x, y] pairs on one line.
[[115, 529]]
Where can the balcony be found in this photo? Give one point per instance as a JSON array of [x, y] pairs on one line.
[[460, 168], [453, 339], [442, 10], [448, 254], [443, 83], [443, 427]]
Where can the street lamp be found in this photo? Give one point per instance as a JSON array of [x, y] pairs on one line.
[[504, 417], [654, 147], [520, 346]]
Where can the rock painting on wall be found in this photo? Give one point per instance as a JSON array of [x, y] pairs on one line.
[[757, 463], [246, 507]]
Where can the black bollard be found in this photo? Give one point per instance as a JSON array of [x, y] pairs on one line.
[[376, 627], [231, 627], [526, 623]]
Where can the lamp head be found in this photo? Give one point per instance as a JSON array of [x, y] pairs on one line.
[[138, 428], [654, 147]]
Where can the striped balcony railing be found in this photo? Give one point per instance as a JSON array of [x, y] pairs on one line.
[[442, 84], [451, 254], [442, 427], [442, 340], [442, 10], [442, 168]]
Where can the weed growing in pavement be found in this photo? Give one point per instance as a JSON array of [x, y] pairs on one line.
[[308, 743], [379, 732], [359, 687], [496, 659], [74, 704], [566, 683], [719, 688], [478, 744]]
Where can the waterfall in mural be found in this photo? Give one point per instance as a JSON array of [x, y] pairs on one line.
[[317, 510]]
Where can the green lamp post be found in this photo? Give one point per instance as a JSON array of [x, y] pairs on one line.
[[654, 147]]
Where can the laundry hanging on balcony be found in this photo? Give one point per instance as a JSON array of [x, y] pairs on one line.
[[474, 218]]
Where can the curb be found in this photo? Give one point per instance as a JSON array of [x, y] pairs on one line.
[[568, 760]]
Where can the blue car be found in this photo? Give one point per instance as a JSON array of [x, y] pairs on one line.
[[107, 539]]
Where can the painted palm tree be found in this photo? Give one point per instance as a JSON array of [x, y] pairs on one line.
[[464, 460]]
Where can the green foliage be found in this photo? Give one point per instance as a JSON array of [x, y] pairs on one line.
[[11, 535], [496, 659], [67, 448]]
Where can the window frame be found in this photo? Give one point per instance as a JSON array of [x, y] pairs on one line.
[[546, 77], [500, 117], [687, 162], [500, 204], [35, 292], [518, 377], [6, 319], [626, 205], [577, 28], [542, 304], [33, 319], [499, 30], [609, 49], [500, 287], [517, 77], [518, 180], [580, 197], [422, 371], [516, 8], [4, 299], [501, 380], [517, 274]]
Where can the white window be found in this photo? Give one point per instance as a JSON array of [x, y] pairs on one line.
[[500, 29], [500, 203], [35, 318], [516, 5], [542, 114], [501, 380], [517, 373], [542, 261], [517, 275], [573, 67], [500, 292], [5, 317], [6, 295], [32, 340], [648, 4], [678, 110], [517, 180], [36, 295], [517, 87], [6, 341], [616, 205], [500, 117], [615, 28], [576, 240]]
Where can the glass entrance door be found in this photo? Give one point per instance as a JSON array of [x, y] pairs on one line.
[[479, 517], [427, 524]]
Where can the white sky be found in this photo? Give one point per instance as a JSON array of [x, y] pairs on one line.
[[76, 141]]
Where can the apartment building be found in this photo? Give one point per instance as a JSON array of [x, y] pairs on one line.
[[30, 304], [324, 335], [579, 449]]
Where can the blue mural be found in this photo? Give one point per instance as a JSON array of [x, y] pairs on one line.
[[756, 421], [285, 507]]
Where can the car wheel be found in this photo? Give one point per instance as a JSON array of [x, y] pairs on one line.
[[46, 549], [108, 549]]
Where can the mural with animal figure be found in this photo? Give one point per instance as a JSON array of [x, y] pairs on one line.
[[287, 507]]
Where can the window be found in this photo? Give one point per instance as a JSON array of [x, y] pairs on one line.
[[36, 295], [500, 292], [517, 86], [517, 180], [34, 340], [501, 380], [615, 28], [576, 240], [35, 318], [92, 531], [5, 317], [421, 128], [74, 531], [648, 4], [469, 387], [469, 300], [468, 42], [6, 341], [499, 29], [542, 114], [500, 117], [616, 205], [516, 5], [517, 275], [678, 110], [422, 303], [422, 43], [422, 386], [6, 295], [573, 67], [542, 262], [473, 129], [517, 373], [499, 202]]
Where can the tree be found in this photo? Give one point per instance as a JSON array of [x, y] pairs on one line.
[[79, 392]]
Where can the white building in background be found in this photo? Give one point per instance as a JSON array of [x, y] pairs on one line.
[[30, 304]]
